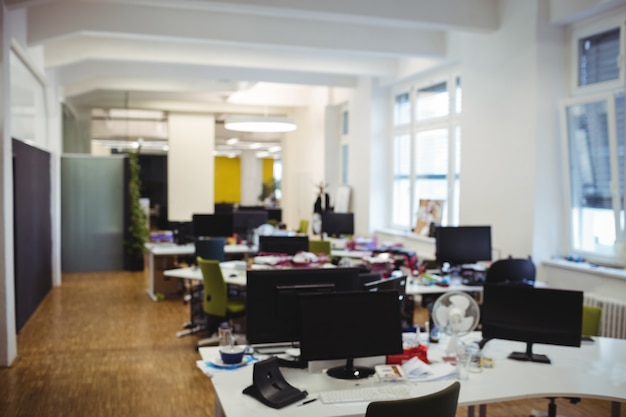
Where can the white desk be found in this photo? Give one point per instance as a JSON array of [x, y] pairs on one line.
[[232, 274], [160, 257], [596, 370]]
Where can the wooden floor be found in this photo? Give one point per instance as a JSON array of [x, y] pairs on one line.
[[98, 346]]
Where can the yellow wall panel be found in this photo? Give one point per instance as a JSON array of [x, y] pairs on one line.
[[268, 169], [227, 180]]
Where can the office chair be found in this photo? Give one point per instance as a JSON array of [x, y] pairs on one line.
[[303, 227], [216, 303], [591, 320], [512, 271], [438, 404], [590, 327], [319, 246]]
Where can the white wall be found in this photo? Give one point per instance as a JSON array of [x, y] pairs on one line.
[[303, 161], [47, 136], [504, 122], [191, 167], [8, 340]]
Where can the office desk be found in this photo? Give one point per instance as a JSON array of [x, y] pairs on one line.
[[160, 257], [596, 370]]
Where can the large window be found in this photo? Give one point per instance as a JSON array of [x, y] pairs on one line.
[[593, 120], [425, 148]]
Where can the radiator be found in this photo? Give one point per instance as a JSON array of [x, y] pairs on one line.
[[613, 320]]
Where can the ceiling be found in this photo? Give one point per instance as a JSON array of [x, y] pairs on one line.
[[240, 56]]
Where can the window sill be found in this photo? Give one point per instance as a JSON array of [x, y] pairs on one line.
[[618, 273], [407, 235]]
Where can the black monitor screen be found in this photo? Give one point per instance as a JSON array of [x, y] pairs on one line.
[[348, 326], [337, 224], [246, 221], [462, 244], [273, 213], [271, 299], [288, 245], [213, 225], [532, 315]]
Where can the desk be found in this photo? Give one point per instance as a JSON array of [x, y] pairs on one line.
[[161, 256], [596, 370]]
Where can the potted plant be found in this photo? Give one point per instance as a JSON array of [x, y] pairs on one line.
[[137, 231]]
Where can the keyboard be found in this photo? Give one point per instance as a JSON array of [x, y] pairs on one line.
[[366, 394]]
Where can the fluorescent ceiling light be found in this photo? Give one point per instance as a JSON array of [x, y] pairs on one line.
[[260, 124]]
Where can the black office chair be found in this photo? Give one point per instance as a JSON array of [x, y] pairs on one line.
[[512, 271], [438, 404]]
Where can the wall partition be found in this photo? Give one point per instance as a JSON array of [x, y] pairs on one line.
[[92, 213], [32, 229]]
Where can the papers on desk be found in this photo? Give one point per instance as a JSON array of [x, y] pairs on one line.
[[417, 371], [238, 265]]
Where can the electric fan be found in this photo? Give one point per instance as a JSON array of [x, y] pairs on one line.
[[455, 314]]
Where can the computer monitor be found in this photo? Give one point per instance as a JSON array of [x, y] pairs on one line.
[[272, 295], [348, 326], [337, 224], [532, 315], [462, 244], [288, 245], [244, 222], [273, 213], [212, 225]]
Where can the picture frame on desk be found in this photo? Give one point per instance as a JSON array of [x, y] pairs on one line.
[[429, 214]]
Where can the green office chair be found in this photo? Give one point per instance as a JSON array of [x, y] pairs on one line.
[[216, 303], [438, 404], [304, 227], [591, 320], [319, 246]]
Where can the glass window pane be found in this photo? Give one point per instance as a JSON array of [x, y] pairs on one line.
[[401, 180], [432, 102], [590, 176], [598, 58], [431, 166], [402, 109]]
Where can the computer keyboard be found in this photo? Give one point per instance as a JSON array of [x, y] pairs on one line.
[[366, 394]]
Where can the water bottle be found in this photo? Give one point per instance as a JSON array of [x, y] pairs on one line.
[[225, 335]]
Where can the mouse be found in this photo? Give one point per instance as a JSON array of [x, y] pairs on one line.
[[233, 275]]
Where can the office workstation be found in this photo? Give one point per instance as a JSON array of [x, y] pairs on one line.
[[538, 326], [522, 355]]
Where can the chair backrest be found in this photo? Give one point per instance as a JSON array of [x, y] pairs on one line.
[[215, 289], [438, 404], [212, 248], [319, 246], [304, 226], [591, 320], [511, 271]]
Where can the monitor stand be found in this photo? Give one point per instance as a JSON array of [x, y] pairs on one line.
[[529, 355], [349, 371]]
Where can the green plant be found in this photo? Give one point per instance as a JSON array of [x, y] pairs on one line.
[[267, 189], [138, 231]]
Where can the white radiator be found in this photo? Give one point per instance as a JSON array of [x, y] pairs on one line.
[[613, 320]]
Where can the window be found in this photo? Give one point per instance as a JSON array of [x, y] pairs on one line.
[[593, 134], [595, 144], [425, 149]]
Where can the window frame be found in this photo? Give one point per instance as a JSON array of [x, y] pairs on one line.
[[451, 122], [603, 91], [586, 29]]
